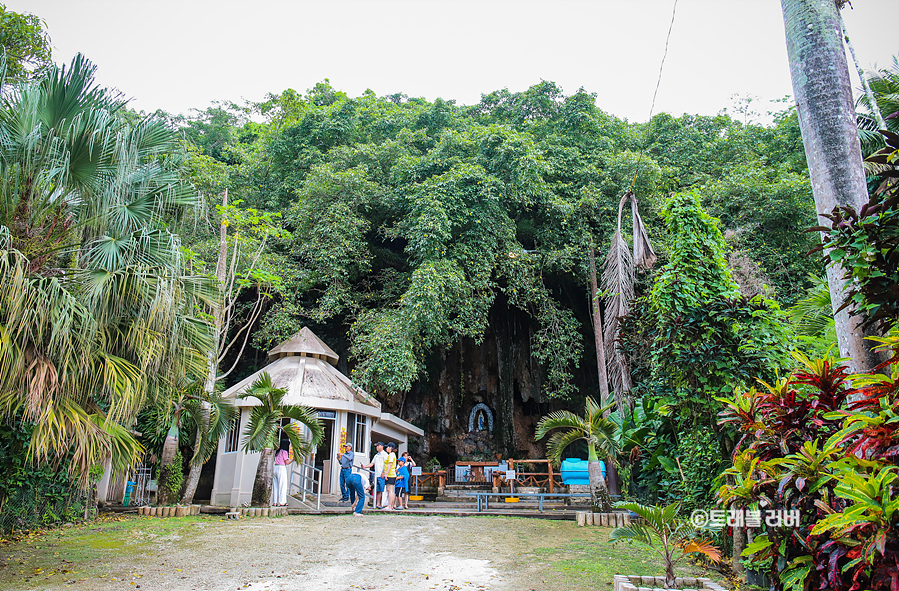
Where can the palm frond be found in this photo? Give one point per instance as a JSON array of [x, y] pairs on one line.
[[308, 417], [593, 409], [560, 419], [560, 441], [261, 428], [703, 547], [636, 532], [813, 314], [618, 279]]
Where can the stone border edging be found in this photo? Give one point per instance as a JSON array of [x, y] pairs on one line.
[[185, 510], [640, 583], [615, 519]]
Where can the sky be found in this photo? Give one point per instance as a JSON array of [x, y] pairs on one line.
[[183, 55]]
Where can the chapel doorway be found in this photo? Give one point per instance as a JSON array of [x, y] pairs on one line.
[[323, 449]]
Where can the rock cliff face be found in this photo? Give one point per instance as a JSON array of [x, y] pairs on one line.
[[472, 386], [498, 373]]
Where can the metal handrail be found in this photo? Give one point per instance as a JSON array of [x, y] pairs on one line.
[[315, 479]]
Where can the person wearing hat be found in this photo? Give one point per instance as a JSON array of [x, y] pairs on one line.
[[378, 501], [346, 468], [402, 485], [390, 473]]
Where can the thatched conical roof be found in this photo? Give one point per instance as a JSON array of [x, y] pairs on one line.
[[304, 344]]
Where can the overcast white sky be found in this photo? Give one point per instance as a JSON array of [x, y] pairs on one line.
[[184, 54]]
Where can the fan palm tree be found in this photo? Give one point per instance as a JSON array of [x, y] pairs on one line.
[[264, 428], [192, 408], [662, 525], [600, 435], [95, 308]]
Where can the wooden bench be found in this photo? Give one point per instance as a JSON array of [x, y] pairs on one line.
[[484, 497]]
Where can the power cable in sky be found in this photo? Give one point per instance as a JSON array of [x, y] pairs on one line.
[[656, 92]]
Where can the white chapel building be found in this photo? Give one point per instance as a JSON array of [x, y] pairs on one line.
[[306, 368]]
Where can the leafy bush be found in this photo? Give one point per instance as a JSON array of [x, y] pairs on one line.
[[708, 336], [171, 478], [866, 244], [32, 496], [826, 447]]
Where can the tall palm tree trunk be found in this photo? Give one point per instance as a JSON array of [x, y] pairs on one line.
[[827, 120], [193, 478], [262, 487]]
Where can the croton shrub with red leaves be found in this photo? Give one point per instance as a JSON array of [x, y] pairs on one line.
[[826, 444]]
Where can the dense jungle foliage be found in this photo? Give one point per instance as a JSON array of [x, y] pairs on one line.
[[408, 218]]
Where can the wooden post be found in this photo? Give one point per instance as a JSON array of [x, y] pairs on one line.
[[549, 468]]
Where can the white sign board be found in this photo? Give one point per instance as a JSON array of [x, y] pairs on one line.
[[510, 474], [416, 471]]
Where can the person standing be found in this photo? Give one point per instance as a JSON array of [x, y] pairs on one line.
[[346, 469], [390, 473], [378, 500], [402, 485], [279, 478], [410, 463]]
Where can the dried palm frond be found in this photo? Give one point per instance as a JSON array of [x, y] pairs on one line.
[[618, 278], [618, 285]]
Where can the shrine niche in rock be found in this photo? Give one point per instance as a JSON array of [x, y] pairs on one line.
[[480, 419]]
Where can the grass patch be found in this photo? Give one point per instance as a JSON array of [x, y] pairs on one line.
[[75, 555], [591, 562]]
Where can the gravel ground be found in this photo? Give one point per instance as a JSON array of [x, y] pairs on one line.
[[310, 553]]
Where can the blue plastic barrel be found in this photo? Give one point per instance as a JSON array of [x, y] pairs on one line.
[[575, 471]]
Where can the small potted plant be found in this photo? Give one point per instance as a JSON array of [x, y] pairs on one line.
[[757, 570], [673, 537], [757, 559]]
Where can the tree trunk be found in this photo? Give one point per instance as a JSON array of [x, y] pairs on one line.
[[827, 120], [739, 546], [599, 493], [169, 451], [221, 267], [193, 478], [670, 580], [262, 487], [601, 363]]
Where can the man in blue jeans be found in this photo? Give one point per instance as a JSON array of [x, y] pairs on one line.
[[356, 485], [346, 469]]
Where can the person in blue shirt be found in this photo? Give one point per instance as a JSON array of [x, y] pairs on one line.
[[346, 468], [402, 484]]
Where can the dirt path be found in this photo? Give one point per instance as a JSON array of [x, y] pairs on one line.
[[309, 553]]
